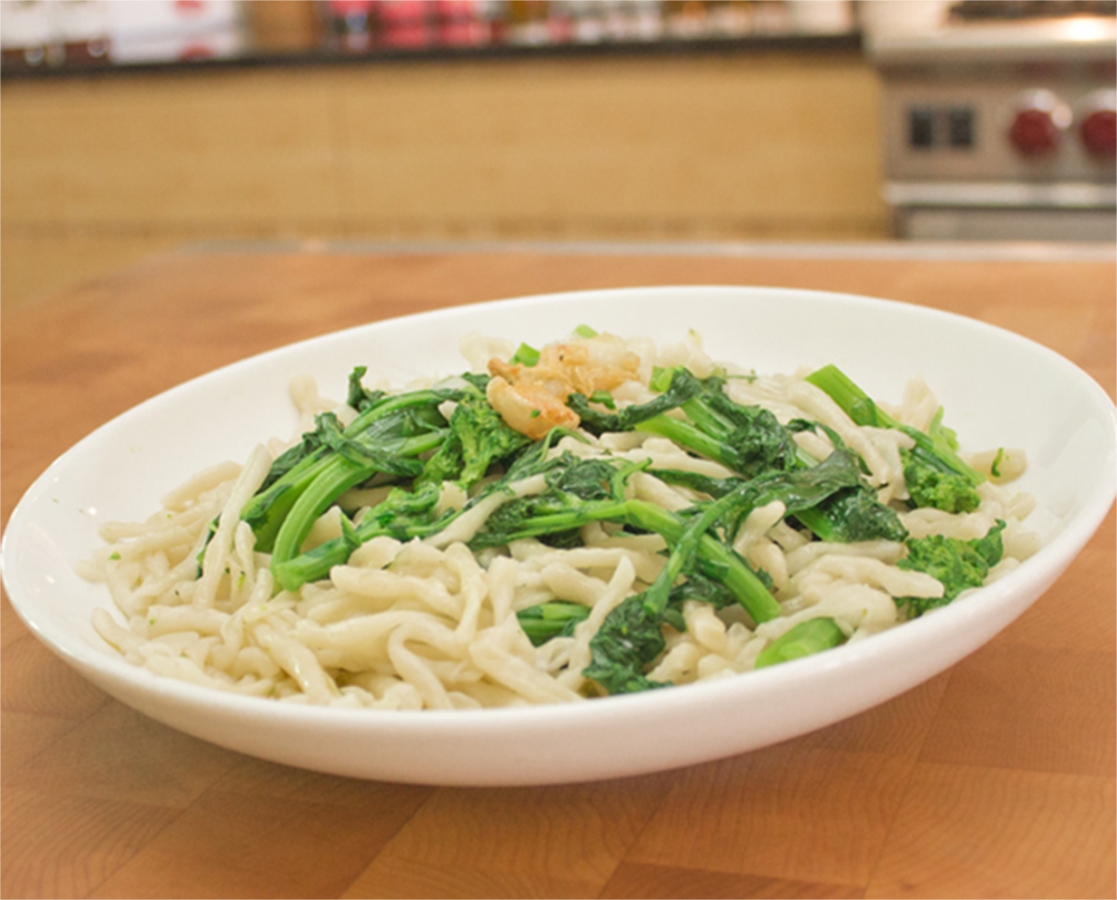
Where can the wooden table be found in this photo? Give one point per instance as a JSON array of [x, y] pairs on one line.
[[993, 779]]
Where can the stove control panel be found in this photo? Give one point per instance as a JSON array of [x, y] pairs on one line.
[[1009, 129], [1004, 128]]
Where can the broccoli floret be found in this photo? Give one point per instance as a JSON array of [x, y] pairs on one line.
[[478, 438], [931, 484], [957, 564], [932, 487]]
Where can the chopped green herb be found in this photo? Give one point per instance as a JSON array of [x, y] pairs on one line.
[[995, 468], [525, 356], [604, 398]]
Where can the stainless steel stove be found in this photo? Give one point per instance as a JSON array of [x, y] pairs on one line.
[[1000, 121]]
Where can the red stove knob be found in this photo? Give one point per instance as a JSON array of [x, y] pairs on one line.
[[1037, 127], [1098, 130], [1034, 132]]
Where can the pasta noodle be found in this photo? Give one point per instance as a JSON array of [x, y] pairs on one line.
[[431, 622]]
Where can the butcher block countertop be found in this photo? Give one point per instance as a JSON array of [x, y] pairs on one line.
[[994, 779]]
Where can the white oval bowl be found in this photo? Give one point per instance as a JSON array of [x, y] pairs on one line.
[[998, 388]]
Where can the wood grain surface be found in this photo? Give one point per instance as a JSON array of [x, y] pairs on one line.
[[994, 779]]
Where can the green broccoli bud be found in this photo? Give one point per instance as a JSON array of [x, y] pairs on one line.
[[931, 487], [959, 565]]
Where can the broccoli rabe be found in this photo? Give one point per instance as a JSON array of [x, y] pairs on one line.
[[935, 474], [402, 515], [385, 436], [594, 490], [554, 618], [805, 639], [578, 492], [478, 437], [402, 439], [675, 391], [627, 642], [958, 564], [387, 447], [851, 515], [747, 439], [830, 498], [359, 397], [415, 442], [931, 487], [631, 637]]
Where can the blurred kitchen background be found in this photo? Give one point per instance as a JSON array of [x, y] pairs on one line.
[[130, 127]]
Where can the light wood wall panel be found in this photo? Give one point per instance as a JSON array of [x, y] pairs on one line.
[[195, 150], [728, 145], [98, 171]]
